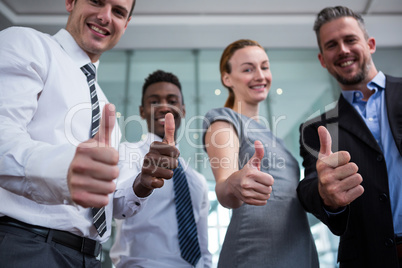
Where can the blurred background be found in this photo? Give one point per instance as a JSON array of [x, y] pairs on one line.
[[187, 38]]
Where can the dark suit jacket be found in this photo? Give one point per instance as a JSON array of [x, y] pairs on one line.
[[365, 228]]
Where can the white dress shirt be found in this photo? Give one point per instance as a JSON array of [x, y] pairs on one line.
[[149, 239], [45, 113]]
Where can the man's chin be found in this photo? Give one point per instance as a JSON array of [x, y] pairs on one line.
[[350, 81]]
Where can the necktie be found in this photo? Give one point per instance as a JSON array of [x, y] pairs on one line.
[[99, 216], [188, 237]]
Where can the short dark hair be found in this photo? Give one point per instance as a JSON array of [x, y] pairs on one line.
[[331, 13], [160, 76], [131, 10]]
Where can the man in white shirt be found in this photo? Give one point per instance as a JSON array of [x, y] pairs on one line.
[[52, 173], [150, 238]]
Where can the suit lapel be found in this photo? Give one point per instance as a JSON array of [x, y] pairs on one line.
[[393, 97], [351, 121]]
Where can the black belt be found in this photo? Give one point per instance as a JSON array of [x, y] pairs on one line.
[[81, 244]]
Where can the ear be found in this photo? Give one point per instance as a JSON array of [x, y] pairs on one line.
[[226, 80], [371, 44], [321, 59], [183, 110], [70, 5], [128, 20], [142, 112]]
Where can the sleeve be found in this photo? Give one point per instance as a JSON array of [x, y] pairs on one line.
[[27, 167], [125, 202], [203, 225], [221, 114], [307, 189]]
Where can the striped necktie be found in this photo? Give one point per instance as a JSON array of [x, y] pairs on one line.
[[188, 237], [99, 216]]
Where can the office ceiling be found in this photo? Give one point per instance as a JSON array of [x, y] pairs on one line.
[[215, 23]]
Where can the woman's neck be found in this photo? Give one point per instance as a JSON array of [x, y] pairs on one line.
[[247, 109]]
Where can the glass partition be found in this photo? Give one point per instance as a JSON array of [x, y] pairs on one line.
[[300, 89]]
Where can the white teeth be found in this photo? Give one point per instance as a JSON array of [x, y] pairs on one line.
[[258, 87], [96, 29], [161, 119], [347, 63]]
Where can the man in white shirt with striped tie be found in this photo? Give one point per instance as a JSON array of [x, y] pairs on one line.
[[158, 236], [53, 173]]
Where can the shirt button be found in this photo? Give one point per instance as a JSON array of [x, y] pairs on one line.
[[371, 119], [380, 158]]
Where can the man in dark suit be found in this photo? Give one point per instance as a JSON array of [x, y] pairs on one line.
[[353, 182]]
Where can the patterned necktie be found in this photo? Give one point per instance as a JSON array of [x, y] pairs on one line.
[[99, 216], [188, 237]]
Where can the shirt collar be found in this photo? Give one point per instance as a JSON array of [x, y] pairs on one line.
[[378, 82], [151, 137], [67, 42]]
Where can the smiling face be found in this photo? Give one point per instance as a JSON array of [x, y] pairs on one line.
[[250, 77], [159, 99], [346, 53], [97, 25]]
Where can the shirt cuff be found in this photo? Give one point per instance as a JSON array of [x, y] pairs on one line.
[[131, 205], [331, 214]]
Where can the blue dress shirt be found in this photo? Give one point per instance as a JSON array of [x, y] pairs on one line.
[[374, 113]]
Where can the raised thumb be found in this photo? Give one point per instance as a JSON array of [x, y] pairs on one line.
[[107, 122], [255, 161], [169, 129], [325, 142]]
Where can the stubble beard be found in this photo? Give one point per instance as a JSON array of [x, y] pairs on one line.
[[358, 78]]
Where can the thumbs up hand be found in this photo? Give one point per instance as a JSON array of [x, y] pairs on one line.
[[169, 130], [94, 166], [159, 162], [255, 161], [338, 180], [250, 184]]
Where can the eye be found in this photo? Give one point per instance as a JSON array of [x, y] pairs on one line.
[[351, 40], [120, 13], [96, 2], [330, 45], [173, 100]]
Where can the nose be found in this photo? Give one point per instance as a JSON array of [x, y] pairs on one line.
[[344, 48], [163, 106], [259, 74], [105, 14]]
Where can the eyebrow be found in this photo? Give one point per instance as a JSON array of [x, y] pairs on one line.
[[343, 37], [123, 8], [249, 63], [160, 96]]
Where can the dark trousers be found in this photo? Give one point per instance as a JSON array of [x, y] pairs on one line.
[[20, 248]]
